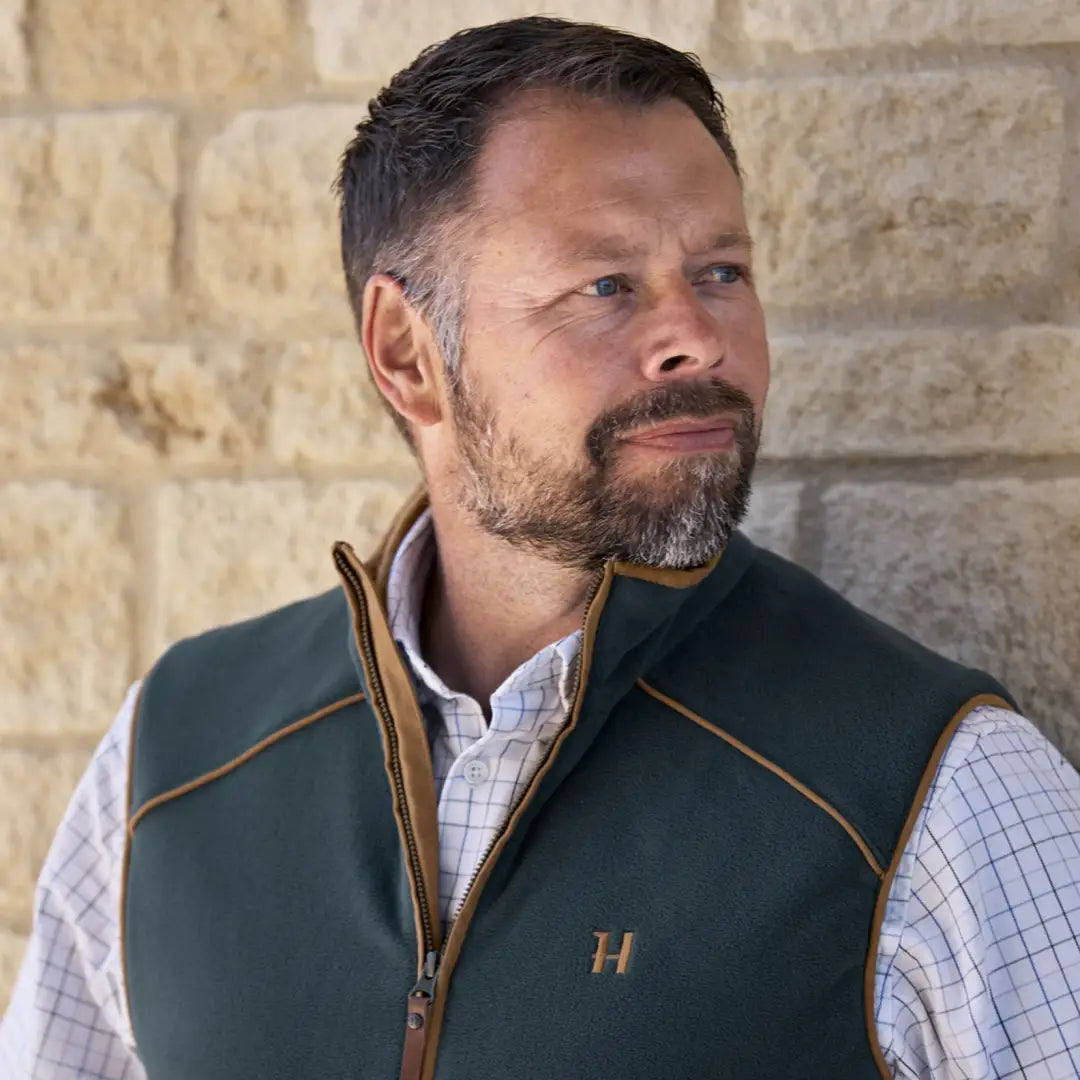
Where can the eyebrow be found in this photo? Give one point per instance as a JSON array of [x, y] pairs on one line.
[[614, 249]]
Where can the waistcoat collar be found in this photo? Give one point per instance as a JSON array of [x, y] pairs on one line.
[[646, 611]]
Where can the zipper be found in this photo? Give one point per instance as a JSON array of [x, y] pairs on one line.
[[421, 999], [422, 996], [418, 1005]]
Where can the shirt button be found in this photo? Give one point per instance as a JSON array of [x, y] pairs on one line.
[[476, 772]]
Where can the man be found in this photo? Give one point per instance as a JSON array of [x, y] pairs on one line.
[[569, 779]]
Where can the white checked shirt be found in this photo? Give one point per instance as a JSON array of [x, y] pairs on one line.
[[480, 768], [978, 968]]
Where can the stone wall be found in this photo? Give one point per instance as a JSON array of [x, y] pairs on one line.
[[185, 422]]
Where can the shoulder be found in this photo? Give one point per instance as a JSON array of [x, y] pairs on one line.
[[999, 778], [852, 707], [801, 620], [998, 775], [211, 697]]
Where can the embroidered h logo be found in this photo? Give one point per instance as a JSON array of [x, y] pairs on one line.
[[602, 956]]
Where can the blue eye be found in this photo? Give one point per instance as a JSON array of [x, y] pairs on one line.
[[726, 274], [606, 286]]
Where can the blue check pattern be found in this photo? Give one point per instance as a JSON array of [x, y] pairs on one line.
[[978, 966]]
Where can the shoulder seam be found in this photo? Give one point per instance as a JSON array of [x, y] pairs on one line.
[[241, 759], [783, 774]]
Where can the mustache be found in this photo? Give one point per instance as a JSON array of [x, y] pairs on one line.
[[675, 401]]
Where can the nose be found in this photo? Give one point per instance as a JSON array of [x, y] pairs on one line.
[[682, 338]]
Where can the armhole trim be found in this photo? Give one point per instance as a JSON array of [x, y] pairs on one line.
[[229, 766], [127, 854], [929, 773], [783, 774]]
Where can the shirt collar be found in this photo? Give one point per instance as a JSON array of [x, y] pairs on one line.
[[409, 572]]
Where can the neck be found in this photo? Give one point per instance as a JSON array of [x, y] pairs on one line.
[[488, 606]]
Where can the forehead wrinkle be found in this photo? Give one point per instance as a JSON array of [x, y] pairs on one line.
[[587, 248]]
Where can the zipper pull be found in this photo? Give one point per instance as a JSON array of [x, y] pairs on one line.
[[416, 1018]]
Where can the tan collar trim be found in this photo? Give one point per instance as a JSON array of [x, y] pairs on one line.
[[674, 579]]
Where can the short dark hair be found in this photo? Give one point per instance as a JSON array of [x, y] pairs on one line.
[[408, 170]]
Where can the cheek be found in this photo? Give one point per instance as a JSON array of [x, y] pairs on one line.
[[750, 350], [553, 415]]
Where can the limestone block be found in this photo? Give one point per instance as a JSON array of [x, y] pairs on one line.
[[187, 406], [95, 50], [266, 220], [773, 520], [35, 787], [326, 410], [69, 405], [138, 404], [12, 948], [373, 40], [232, 550], [925, 392], [87, 202], [65, 619], [843, 24], [911, 187], [985, 572], [13, 65]]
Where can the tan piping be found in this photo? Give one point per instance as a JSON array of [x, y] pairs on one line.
[[222, 770], [901, 845], [800, 787]]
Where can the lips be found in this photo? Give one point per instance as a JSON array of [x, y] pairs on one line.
[[683, 427]]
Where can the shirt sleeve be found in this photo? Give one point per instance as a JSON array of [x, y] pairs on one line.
[[978, 969], [68, 1017]]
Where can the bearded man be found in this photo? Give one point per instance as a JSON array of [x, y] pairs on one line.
[[569, 778]]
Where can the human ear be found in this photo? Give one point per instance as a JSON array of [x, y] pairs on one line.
[[401, 351]]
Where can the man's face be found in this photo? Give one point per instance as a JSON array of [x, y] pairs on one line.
[[609, 294]]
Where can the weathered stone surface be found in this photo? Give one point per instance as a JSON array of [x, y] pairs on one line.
[[925, 392], [842, 24], [87, 202], [143, 403], [13, 65], [326, 410], [231, 550], [773, 520], [65, 594], [35, 787], [267, 242], [67, 405], [373, 40], [95, 50], [983, 571], [911, 187], [12, 948]]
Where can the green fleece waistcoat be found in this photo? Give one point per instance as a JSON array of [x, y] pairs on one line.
[[691, 887]]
